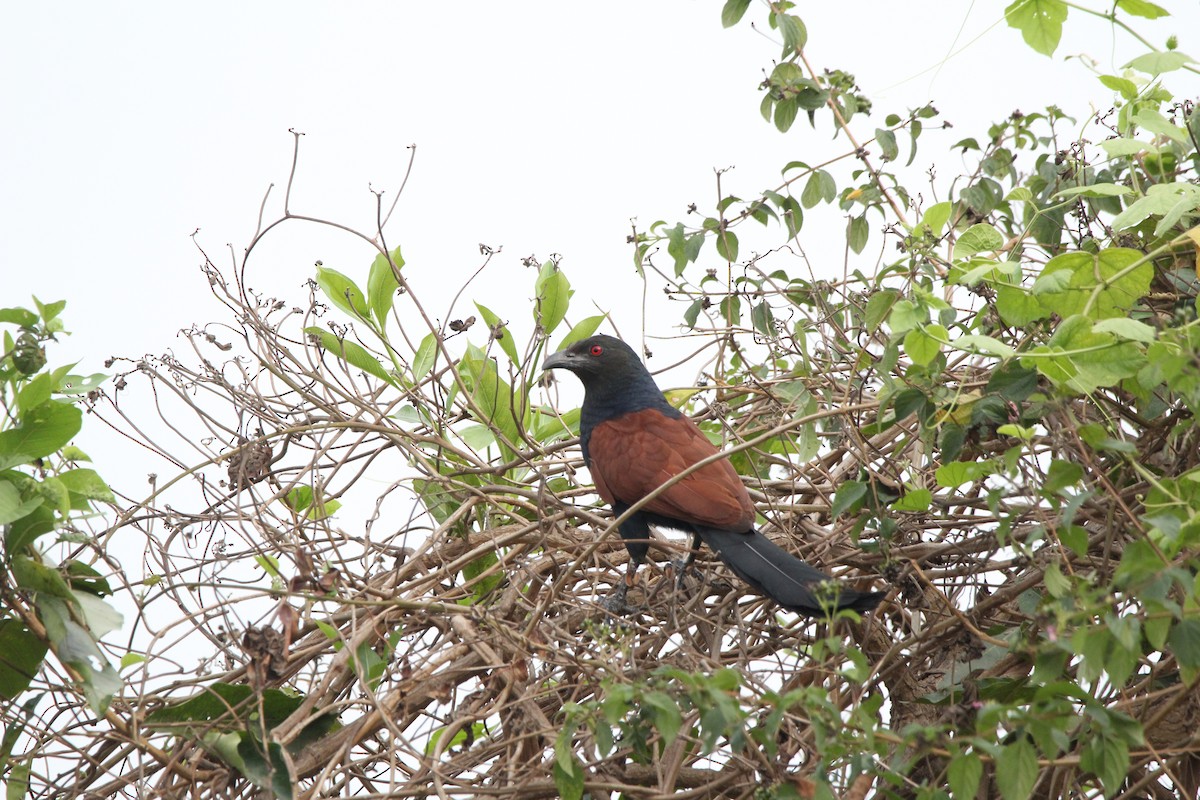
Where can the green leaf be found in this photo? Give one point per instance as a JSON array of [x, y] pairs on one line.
[[785, 113], [18, 780], [1127, 88], [956, 473], [1142, 8], [964, 773], [732, 12], [1158, 63], [553, 292], [343, 293], [1126, 328], [1040, 22], [924, 344], [1061, 475], [351, 352], [849, 496], [569, 780], [914, 500], [727, 245], [887, 144], [1017, 307], [1185, 643], [492, 398], [820, 187], [984, 344], [21, 655], [794, 33], [980, 238], [423, 359], [499, 332], [12, 507], [582, 330], [879, 305], [857, 233], [667, 717], [382, 285], [88, 484], [36, 576], [1016, 770], [1095, 190], [935, 219], [40, 432], [1106, 284]]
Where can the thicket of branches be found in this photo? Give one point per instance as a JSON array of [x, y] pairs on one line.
[[374, 570]]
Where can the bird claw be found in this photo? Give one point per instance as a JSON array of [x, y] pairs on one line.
[[616, 604], [680, 569]]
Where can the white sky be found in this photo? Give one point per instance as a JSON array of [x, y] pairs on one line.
[[541, 127]]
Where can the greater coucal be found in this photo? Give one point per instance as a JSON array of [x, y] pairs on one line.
[[634, 441]]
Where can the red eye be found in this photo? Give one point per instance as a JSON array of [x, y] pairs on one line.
[[596, 350]]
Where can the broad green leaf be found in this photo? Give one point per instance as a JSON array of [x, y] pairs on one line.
[[1040, 23], [1168, 200], [1061, 475], [343, 293], [21, 660], [1127, 88], [1127, 328], [785, 113], [1095, 190], [1156, 123], [582, 330], [879, 305], [1016, 770], [1017, 307], [101, 618], [794, 33], [553, 292], [979, 238], [12, 507], [956, 473], [382, 285], [677, 248], [887, 144], [924, 344], [905, 316], [1158, 63], [40, 432], [964, 772], [1104, 284], [914, 500], [1185, 643], [500, 333], [569, 780], [88, 484], [732, 12], [35, 576], [849, 496], [1118, 148], [492, 398], [34, 393], [857, 233], [1142, 8], [935, 219], [983, 344], [727, 245], [351, 352]]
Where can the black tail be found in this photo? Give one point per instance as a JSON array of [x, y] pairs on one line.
[[781, 576]]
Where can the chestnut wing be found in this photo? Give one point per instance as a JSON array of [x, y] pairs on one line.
[[634, 454]]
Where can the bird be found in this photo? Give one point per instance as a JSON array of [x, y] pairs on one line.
[[634, 441]]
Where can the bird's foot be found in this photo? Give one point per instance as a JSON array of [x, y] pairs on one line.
[[680, 568], [616, 603]]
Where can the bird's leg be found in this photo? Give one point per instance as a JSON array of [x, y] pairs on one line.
[[681, 566], [616, 603]]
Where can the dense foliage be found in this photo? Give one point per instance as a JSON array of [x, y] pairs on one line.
[[375, 571]]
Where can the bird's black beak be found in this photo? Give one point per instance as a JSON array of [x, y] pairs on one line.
[[559, 360]]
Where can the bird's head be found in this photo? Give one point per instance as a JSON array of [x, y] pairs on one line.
[[613, 376], [600, 356]]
